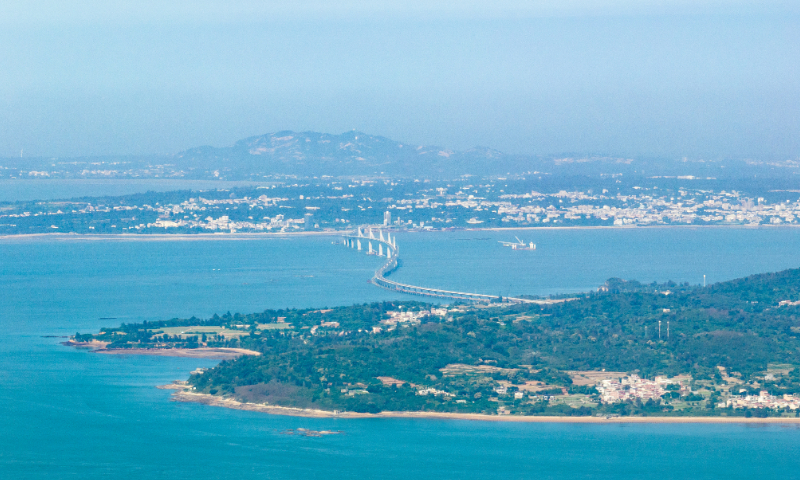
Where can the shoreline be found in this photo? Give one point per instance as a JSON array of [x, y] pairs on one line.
[[262, 235], [221, 353], [216, 401], [211, 353], [165, 236]]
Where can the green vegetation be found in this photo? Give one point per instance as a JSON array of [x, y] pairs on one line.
[[726, 339]]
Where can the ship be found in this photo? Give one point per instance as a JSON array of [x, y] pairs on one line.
[[519, 245]]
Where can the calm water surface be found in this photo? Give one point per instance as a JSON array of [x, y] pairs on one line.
[[66, 413]]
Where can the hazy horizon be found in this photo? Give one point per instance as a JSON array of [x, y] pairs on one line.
[[667, 79]]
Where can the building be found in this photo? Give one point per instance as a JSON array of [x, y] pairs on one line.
[[387, 218], [631, 388], [309, 221], [763, 400]]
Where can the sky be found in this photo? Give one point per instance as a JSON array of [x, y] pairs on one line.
[[697, 79]]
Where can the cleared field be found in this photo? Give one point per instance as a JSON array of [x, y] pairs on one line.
[[593, 377], [461, 369], [575, 401], [273, 326], [533, 386], [191, 331], [779, 368]]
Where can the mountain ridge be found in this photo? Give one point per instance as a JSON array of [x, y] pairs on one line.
[[349, 153], [354, 153]]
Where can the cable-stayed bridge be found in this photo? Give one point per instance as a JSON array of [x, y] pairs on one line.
[[387, 247]]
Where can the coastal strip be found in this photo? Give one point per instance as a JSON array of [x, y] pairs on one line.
[[324, 233], [168, 236], [219, 353], [213, 353], [217, 401]]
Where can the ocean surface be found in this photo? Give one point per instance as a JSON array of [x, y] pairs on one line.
[[67, 413]]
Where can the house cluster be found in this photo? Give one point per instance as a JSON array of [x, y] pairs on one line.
[[539, 398], [763, 400], [351, 392], [412, 317], [450, 207], [642, 208], [189, 214], [433, 391], [632, 387]]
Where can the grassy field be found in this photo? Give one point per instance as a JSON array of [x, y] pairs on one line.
[[575, 401], [191, 331]]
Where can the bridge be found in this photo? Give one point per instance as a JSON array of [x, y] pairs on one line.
[[387, 247]]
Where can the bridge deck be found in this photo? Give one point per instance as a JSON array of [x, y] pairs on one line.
[[380, 280]]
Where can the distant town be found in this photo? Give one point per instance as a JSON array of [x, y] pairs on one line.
[[405, 204]]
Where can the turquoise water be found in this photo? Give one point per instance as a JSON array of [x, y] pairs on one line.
[[578, 260], [67, 413]]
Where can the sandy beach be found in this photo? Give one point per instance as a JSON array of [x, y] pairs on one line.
[[216, 401], [213, 353]]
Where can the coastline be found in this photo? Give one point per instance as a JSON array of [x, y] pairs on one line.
[[216, 401], [166, 236], [221, 353], [212, 353], [262, 235]]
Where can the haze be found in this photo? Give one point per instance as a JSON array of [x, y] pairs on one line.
[[697, 79]]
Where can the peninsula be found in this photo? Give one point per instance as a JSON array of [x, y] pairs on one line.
[[628, 350]]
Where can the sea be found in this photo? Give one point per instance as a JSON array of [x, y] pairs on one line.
[[68, 413]]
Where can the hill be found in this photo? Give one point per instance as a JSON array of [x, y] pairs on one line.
[[358, 154], [309, 154], [350, 153]]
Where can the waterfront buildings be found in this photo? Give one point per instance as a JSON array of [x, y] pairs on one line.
[[763, 400], [632, 387]]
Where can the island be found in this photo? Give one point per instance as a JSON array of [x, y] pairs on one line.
[[628, 350]]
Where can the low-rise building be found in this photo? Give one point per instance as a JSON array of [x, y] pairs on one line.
[[763, 400], [631, 387]]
